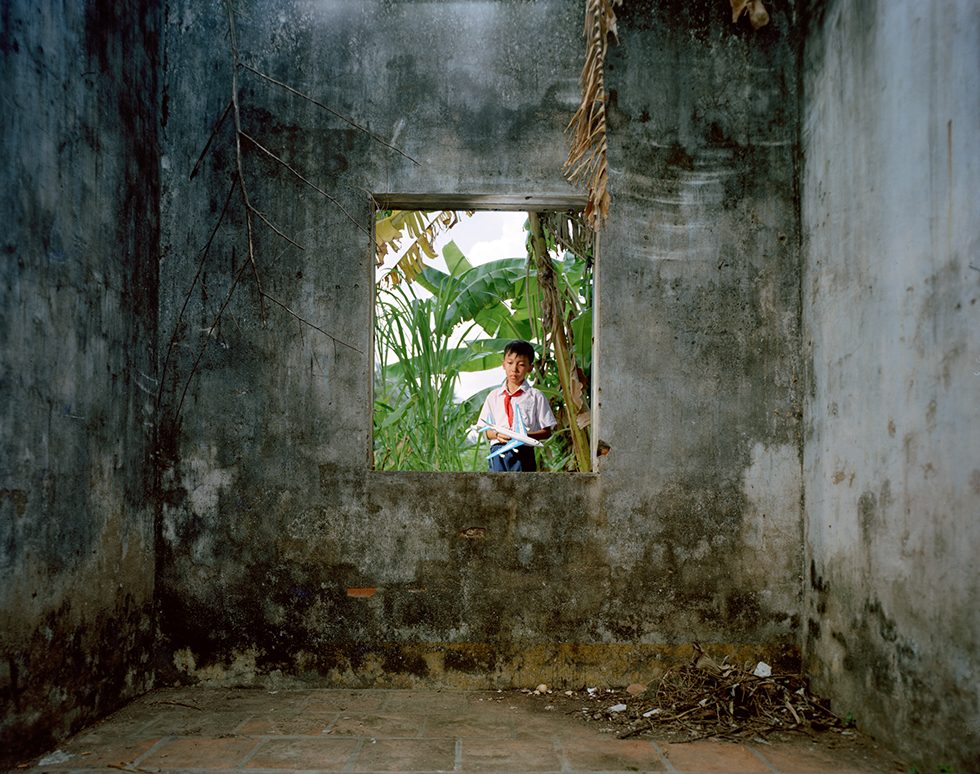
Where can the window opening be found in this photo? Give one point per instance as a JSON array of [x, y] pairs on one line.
[[452, 288]]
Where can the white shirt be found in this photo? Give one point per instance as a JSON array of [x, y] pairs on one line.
[[534, 407]]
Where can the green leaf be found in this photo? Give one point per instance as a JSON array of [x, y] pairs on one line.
[[455, 260], [394, 417], [485, 285], [478, 355], [480, 363], [475, 402], [484, 354], [498, 321], [433, 280], [582, 331]]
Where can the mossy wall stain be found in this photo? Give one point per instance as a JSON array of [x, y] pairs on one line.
[[893, 397], [78, 304], [272, 514]]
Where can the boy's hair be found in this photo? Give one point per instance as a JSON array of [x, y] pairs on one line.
[[519, 347]]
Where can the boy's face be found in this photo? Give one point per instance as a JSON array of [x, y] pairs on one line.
[[516, 367]]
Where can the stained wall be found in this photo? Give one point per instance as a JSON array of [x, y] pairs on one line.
[[785, 291], [283, 553], [891, 153], [78, 296]]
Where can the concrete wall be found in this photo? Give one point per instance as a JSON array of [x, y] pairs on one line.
[[690, 531], [78, 294], [890, 123], [280, 550]]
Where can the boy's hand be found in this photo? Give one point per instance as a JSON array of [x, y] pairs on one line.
[[500, 437]]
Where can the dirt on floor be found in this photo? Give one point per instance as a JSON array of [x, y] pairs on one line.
[[710, 700], [214, 729]]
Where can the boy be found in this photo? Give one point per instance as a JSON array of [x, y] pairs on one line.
[[515, 392]]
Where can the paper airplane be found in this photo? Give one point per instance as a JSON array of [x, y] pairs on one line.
[[518, 434]]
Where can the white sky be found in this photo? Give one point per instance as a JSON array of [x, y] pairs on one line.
[[485, 236]]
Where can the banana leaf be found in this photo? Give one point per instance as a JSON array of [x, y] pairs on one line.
[[455, 260], [484, 286], [433, 279], [475, 402], [477, 355], [498, 321], [485, 354], [582, 331]]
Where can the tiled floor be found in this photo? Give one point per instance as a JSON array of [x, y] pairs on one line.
[[211, 730]]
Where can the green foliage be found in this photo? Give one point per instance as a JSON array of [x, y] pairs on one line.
[[417, 423], [421, 351], [482, 293], [573, 278]]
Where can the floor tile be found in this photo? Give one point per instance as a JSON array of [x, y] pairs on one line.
[[304, 753], [709, 757], [422, 701], [372, 725], [250, 701], [554, 726], [192, 723], [303, 724], [345, 701], [404, 755], [611, 755], [200, 753], [466, 725], [92, 755], [510, 755], [805, 758], [115, 731]]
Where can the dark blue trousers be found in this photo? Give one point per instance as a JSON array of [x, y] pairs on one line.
[[518, 459]]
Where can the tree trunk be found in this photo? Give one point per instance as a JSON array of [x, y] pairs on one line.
[[553, 320]]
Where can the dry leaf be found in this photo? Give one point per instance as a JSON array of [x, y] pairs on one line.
[[586, 160], [738, 8], [389, 231]]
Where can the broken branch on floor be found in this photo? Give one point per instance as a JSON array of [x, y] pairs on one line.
[[710, 699]]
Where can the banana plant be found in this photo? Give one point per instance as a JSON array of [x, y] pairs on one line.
[[418, 425], [558, 334], [392, 227], [473, 312]]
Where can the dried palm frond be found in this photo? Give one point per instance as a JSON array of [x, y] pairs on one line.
[[390, 229], [570, 232], [586, 160]]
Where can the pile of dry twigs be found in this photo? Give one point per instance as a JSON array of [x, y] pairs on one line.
[[706, 698]]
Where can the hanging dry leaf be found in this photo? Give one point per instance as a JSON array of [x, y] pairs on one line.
[[738, 8], [586, 160], [758, 15], [390, 230]]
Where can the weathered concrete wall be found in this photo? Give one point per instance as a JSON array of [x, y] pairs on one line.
[[892, 168], [273, 524], [79, 197]]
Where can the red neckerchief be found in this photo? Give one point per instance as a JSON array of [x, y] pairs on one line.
[[507, 407]]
